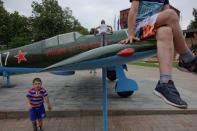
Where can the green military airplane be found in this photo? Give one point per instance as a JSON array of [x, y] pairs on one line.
[[65, 53]]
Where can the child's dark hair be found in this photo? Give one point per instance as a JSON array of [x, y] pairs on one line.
[[37, 79]]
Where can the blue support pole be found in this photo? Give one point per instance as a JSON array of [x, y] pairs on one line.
[[6, 79], [104, 101], [104, 76]]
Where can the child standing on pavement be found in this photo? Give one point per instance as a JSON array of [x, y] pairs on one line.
[[36, 97]]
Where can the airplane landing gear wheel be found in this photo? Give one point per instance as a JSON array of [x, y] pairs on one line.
[[111, 75], [125, 94]]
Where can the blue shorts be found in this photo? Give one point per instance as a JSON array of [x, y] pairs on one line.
[[37, 113]]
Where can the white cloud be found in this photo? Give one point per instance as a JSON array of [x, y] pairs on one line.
[[186, 8]]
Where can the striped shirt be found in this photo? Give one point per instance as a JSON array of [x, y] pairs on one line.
[[35, 97]]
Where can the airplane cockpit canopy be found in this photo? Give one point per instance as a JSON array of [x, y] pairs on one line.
[[68, 37], [62, 39]]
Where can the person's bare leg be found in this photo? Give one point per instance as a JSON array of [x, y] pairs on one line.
[[34, 125], [40, 123], [170, 18], [165, 49], [187, 61]]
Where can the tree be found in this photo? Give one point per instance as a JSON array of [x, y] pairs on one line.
[[20, 30], [72, 24], [193, 23], [14, 29], [49, 19], [4, 21], [1, 3], [77, 27]]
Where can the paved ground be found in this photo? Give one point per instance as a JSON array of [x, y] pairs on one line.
[[120, 123], [83, 90], [78, 98]]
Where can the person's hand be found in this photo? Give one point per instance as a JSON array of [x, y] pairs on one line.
[[49, 107], [29, 107], [129, 40]]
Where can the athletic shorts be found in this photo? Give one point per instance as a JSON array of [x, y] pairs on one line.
[[37, 113], [146, 28]]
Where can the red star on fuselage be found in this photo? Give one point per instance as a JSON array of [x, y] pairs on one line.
[[21, 56]]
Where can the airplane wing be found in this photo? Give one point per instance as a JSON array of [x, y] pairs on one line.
[[106, 56]]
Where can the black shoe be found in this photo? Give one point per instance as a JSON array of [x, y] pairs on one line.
[[169, 93], [40, 129], [188, 67], [34, 126]]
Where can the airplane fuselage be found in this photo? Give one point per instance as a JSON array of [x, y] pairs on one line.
[[47, 52]]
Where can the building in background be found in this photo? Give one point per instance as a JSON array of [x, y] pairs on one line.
[[191, 39], [123, 18]]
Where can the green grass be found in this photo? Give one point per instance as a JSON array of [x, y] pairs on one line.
[[147, 64]]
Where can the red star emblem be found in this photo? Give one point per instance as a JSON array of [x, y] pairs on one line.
[[21, 56]]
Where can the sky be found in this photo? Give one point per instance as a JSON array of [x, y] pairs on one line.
[[90, 12]]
